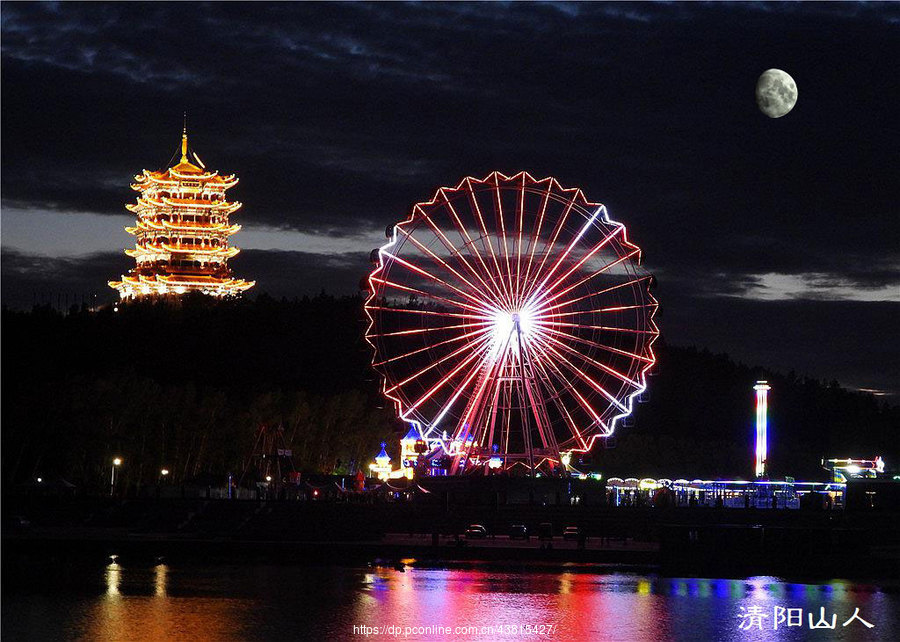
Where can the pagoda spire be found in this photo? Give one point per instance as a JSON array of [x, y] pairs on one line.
[[184, 144]]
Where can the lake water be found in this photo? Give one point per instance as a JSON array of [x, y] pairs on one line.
[[169, 602]]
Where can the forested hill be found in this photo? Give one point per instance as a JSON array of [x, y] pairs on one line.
[[186, 386]]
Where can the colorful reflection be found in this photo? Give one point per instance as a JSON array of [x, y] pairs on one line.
[[574, 603]]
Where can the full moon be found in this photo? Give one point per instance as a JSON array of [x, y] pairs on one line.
[[776, 93]]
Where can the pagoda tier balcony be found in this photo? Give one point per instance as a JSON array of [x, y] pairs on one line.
[[172, 234], [202, 217], [172, 203], [156, 249], [164, 266], [132, 287], [167, 204], [213, 228], [224, 252], [195, 219], [166, 244], [219, 207]]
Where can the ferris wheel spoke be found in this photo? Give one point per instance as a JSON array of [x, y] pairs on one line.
[[555, 396], [581, 400], [539, 290], [441, 328], [618, 375], [606, 328], [459, 391], [535, 235], [469, 243], [530, 287], [592, 382], [601, 346], [456, 252], [412, 290], [498, 209], [440, 384], [520, 217], [486, 237], [406, 355], [581, 374], [619, 308], [413, 268], [556, 400], [542, 291], [434, 256], [569, 302], [606, 267], [492, 365], [592, 412], [552, 319], [476, 348], [464, 429], [454, 315]]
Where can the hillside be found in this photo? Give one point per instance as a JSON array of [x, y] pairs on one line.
[[185, 387]]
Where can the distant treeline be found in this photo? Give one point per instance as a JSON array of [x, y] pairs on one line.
[[186, 386]]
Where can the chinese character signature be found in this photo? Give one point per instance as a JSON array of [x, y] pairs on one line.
[[754, 616]]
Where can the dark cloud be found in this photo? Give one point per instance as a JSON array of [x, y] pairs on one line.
[[337, 117], [30, 279], [288, 274]]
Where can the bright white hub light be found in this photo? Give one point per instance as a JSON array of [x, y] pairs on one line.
[[507, 328], [503, 327]]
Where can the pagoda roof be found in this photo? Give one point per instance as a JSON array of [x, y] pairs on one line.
[[186, 280], [184, 169], [173, 175]]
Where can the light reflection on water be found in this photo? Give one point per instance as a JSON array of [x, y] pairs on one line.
[[163, 602]]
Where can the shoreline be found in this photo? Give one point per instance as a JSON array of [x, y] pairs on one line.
[[24, 553]]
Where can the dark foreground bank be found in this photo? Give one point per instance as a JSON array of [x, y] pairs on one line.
[[685, 541]]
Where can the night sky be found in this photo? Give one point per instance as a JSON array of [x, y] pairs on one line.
[[776, 240]]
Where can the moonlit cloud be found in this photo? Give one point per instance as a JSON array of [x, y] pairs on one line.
[[78, 234], [828, 287]]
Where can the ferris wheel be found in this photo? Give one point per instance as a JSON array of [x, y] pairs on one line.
[[511, 322]]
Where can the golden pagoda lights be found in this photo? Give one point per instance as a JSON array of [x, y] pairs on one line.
[[181, 232]]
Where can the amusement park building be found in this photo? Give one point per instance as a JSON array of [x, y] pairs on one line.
[[182, 232]]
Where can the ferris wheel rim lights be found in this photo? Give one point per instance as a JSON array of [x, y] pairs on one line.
[[495, 310]]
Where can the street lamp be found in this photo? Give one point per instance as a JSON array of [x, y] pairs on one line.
[[164, 472], [117, 461]]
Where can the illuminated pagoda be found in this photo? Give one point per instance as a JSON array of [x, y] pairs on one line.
[[181, 232]]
